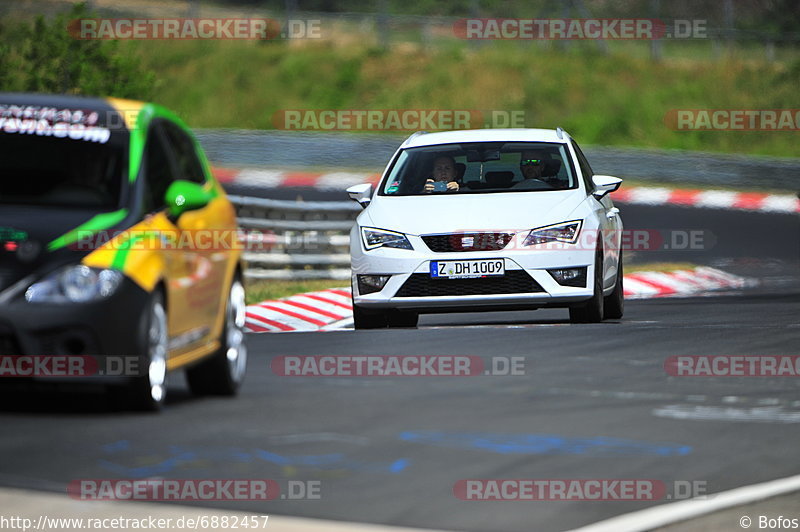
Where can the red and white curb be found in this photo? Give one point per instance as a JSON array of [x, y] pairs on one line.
[[712, 199], [312, 311], [682, 283], [332, 309]]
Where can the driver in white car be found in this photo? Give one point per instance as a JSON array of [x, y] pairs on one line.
[[444, 171]]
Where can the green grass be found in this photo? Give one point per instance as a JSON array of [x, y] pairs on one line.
[[658, 267], [619, 99], [258, 291]]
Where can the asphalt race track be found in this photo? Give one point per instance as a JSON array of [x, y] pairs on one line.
[[594, 402]]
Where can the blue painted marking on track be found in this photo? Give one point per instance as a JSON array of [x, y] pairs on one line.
[[230, 453], [275, 458], [160, 468], [398, 465], [309, 460], [113, 447], [544, 444], [182, 457]]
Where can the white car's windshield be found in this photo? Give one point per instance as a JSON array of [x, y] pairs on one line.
[[489, 167]]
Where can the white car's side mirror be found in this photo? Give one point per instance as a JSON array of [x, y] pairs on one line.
[[603, 184], [361, 193]]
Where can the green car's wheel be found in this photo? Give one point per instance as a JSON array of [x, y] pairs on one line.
[[223, 372], [148, 390]]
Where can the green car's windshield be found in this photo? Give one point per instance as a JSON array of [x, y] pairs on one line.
[[480, 168], [62, 172]]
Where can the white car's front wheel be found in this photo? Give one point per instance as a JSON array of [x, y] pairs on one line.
[[363, 319], [614, 304], [591, 311], [402, 319]]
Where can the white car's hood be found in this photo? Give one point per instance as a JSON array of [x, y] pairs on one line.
[[498, 212]]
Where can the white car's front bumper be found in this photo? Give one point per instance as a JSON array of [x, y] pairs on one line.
[[520, 262]]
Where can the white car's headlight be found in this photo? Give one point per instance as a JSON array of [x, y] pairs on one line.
[[75, 284], [566, 232], [375, 238]]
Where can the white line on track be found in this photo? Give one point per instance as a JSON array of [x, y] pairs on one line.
[[667, 514]]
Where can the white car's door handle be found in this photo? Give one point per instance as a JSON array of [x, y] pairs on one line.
[[612, 212]]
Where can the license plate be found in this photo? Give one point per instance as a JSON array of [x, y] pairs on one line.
[[466, 269]]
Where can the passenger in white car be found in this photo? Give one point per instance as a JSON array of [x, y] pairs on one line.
[[538, 164]]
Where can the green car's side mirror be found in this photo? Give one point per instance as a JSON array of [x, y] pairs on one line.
[[185, 196]]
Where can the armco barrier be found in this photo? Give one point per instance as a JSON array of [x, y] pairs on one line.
[[296, 240], [310, 240], [314, 150]]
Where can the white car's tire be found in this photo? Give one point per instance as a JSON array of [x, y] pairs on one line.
[[591, 311], [363, 319], [614, 303], [402, 319]]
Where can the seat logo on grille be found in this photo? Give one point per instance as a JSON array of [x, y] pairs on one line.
[[467, 241]]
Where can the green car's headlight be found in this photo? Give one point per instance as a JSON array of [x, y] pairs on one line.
[[74, 284], [375, 238]]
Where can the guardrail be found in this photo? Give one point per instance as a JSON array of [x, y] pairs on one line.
[[296, 240], [306, 240], [290, 149]]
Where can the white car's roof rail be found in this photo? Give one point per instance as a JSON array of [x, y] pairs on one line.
[[414, 135], [561, 133]]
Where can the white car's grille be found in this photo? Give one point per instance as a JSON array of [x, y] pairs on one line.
[[458, 242], [513, 282]]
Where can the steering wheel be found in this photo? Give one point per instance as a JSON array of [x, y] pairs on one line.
[[533, 184]]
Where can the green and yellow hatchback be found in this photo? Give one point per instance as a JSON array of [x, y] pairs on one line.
[[117, 241]]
